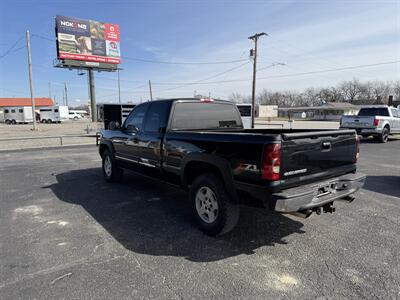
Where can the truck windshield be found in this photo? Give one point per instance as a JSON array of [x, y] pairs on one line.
[[209, 115], [373, 111]]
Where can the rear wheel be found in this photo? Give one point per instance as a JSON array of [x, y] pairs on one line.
[[49, 121], [384, 137], [212, 207], [8, 122], [111, 172], [13, 122], [75, 118]]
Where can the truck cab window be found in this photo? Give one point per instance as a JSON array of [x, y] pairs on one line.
[[13, 111], [156, 117], [136, 117], [6, 111]]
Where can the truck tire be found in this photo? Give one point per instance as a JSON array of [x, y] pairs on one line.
[[8, 122], [49, 121], [212, 207], [384, 137], [111, 172], [13, 122]]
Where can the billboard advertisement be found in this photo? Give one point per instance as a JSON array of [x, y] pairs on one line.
[[87, 40]]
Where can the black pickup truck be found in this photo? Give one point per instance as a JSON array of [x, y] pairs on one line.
[[200, 145]]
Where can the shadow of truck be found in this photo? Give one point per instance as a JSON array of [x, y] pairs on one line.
[[152, 218]]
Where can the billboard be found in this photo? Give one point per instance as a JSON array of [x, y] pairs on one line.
[[87, 40]]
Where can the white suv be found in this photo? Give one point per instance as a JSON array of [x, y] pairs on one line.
[[74, 116]]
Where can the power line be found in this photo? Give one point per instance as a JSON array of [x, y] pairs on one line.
[[12, 47], [297, 74], [208, 78], [162, 61], [333, 70], [43, 37], [183, 62]]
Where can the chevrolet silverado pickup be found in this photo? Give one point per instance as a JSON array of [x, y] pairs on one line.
[[200, 145], [376, 121]]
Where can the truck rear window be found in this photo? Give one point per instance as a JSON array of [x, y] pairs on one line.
[[373, 111], [210, 115]]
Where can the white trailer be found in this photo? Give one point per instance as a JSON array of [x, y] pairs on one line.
[[18, 115], [53, 114]]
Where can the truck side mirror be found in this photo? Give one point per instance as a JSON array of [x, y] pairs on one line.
[[132, 129], [114, 125]]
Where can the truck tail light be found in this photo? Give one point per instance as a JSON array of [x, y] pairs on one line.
[[206, 100], [376, 122], [271, 164], [357, 149]]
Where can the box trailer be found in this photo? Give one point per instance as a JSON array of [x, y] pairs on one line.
[[53, 114], [18, 115], [107, 113]]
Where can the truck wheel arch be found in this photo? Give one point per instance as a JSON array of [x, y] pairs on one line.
[[196, 164], [106, 145]]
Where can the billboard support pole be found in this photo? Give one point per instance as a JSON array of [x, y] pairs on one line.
[[28, 46], [119, 89], [92, 95]]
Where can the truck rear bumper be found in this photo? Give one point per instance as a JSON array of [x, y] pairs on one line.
[[316, 194], [366, 131]]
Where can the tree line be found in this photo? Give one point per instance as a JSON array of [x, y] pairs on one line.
[[352, 91]]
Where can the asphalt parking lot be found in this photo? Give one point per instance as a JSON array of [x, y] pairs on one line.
[[65, 233]]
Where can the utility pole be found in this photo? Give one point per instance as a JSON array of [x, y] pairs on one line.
[[28, 46], [119, 89], [253, 52], [151, 93], [66, 93]]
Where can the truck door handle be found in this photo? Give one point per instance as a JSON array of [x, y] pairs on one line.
[[326, 146]]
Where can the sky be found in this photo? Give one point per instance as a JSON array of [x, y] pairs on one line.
[[310, 44]]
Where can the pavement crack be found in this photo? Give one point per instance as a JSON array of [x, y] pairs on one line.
[[61, 277]]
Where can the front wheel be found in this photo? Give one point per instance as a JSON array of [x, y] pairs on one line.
[[111, 172], [212, 207]]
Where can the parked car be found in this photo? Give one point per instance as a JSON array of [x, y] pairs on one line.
[[73, 115], [201, 146], [376, 121]]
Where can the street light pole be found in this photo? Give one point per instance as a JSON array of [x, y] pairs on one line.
[[253, 92], [28, 46]]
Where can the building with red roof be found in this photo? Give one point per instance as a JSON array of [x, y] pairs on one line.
[[7, 102]]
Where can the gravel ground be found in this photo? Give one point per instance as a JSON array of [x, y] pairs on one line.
[[66, 234], [80, 127]]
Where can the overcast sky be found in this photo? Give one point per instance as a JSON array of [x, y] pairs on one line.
[[306, 36]]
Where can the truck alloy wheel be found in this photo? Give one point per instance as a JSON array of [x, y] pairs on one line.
[[206, 204], [111, 172], [212, 206]]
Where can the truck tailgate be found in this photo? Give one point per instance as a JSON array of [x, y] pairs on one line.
[[357, 122], [314, 156]]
